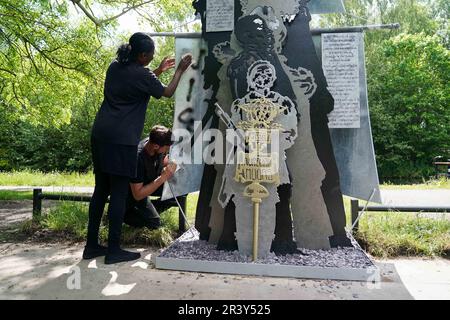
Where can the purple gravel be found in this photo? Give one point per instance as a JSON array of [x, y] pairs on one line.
[[188, 246]]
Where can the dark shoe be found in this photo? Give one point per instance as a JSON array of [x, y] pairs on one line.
[[94, 252], [121, 256]]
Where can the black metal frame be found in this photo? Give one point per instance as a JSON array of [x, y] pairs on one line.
[[38, 196], [442, 169], [191, 35], [356, 209]]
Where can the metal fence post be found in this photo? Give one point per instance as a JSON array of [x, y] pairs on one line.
[[37, 203], [355, 213], [181, 220], [448, 168]]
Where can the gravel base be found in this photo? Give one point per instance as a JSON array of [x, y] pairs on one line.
[[189, 247]]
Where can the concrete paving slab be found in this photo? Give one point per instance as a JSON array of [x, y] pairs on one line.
[[50, 271]]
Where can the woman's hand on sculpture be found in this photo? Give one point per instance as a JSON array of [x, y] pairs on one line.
[[166, 64], [185, 62]]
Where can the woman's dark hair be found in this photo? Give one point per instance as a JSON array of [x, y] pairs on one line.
[[138, 43], [161, 136]]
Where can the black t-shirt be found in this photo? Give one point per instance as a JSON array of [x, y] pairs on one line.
[[127, 92], [148, 169]]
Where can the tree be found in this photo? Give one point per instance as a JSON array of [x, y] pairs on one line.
[[410, 100], [47, 63], [52, 67], [407, 74], [49, 60]]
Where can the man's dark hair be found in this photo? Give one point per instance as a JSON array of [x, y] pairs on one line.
[[161, 136]]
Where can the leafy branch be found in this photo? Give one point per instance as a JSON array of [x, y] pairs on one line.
[[99, 23]]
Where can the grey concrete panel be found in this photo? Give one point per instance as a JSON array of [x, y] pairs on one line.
[[225, 100], [255, 269], [312, 227]]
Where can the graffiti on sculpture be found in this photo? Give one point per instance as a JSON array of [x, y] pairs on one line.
[[270, 122], [270, 58]]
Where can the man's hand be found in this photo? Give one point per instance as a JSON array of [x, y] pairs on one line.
[[166, 161], [168, 171]]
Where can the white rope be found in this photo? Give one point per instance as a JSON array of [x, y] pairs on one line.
[[181, 209], [360, 214]]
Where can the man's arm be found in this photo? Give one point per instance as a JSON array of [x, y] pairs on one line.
[[141, 191]]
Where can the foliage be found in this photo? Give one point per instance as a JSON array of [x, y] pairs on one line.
[[54, 179], [52, 67], [410, 100], [54, 54], [47, 64], [67, 217], [408, 71], [433, 184], [381, 234], [400, 234], [69, 220], [6, 195]]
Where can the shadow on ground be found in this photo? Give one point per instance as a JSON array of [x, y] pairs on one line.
[[56, 272]]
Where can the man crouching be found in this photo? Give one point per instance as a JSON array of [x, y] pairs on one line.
[[153, 170]]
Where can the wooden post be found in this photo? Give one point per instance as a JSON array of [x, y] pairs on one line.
[[37, 203], [355, 213]]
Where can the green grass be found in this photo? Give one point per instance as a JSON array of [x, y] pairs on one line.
[[442, 183], [395, 234], [69, 221], [12, 195], [402, 234], [15, 195], [381, 234], [36, 178], [68, 217]]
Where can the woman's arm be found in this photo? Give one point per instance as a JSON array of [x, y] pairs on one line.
[[185, 62]]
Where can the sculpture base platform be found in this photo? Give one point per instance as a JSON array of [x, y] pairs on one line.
[[188, 253]]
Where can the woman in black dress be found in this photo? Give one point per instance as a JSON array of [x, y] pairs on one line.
[[116, 134]]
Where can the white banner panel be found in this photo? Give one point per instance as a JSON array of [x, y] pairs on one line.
[[340, 58]]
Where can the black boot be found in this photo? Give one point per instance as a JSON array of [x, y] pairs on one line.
[[340, 241], [282, 248], [91, 252], [120, 255]]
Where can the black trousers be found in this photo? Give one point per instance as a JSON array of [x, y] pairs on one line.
[[117, 188], [146, 216]]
